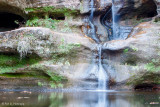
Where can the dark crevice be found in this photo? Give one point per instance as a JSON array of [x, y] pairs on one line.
[[9, 21], [144, 87], [61, 17]]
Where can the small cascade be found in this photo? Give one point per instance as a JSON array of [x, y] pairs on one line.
[[92, 30], [102, 75], [119, 32], [96, 68], [115, 20]]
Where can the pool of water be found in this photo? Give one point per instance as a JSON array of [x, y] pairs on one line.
[[80, 99]]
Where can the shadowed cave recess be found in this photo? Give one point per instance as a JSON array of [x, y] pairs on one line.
[[9, 21]]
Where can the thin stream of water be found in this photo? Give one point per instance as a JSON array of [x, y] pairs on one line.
[[115, 26], [102, 75], [93, 30]]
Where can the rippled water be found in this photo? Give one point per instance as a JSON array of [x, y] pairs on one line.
[[80, 99]]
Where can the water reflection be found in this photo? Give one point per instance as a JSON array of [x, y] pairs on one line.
[[80, 99]]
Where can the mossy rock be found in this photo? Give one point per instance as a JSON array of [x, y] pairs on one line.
[[144, 78], [12, 62], [51, 11]]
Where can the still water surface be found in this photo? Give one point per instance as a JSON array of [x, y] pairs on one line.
[[80, 99]]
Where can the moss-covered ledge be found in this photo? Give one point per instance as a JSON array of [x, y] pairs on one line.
[[28, 68], [50, 11], [145, 80]]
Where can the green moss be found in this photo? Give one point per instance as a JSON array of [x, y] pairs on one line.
[[157, 19], [55, 80], [53, 10], [36, 22], [9, 63], [132, 60], [55, 77], [134, 49], [66, 53], [125, 50], [153, 66], [147, 78], [49, 17]]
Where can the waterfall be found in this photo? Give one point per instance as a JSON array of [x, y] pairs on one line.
[[98, 68], [115, 25], [102, 75], [92, 29], [118, 31]]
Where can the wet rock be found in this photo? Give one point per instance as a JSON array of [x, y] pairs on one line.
[[135, 56]]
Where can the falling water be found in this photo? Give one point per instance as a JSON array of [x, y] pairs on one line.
[[93, 30], [115, 26], [102, 75], [118, 31]]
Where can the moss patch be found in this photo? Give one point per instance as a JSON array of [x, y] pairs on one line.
[[39, 22], [153, 66], [147, 78], [66, 53], [10, 63], [50, 10], [132, 60]]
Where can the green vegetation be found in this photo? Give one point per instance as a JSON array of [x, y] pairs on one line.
[[66, 48], [150, 77], [157, 19], [10, 63], [49, 17], [51, 84], [54, 85], [153, 66], [55, 80], [37, 22], [66, 53], [134, 49], [147, 78], [16, 75], [132, 61], [130, 58], [125, 50], [55, 77], [66, 28], [52, 10]]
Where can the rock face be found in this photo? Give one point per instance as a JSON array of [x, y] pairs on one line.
[[129, 10], [40, 41], [67, 51], [67, 55], [135, 61], [22, 4]]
